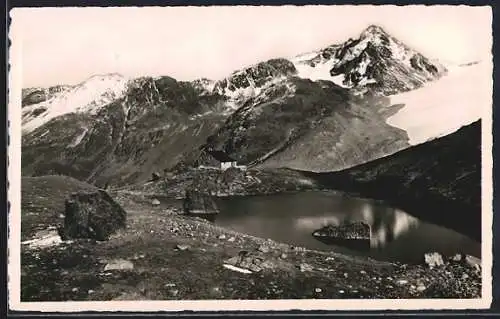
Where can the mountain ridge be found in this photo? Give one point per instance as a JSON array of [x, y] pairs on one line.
[[112, 129]]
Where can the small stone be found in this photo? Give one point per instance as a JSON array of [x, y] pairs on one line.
[[231, 239], [457, 258], [465, 276], [174, 292], [433, 259], [305, 267], [119, 264], [421, 288], [412, 287], [264, 249], [182, 247], [318, 290], [90, 291], [170, 285], [362, 272], [473, 261], [477, 268], [74, 289], [402, 282], [346, 275], [341, 291], [222, 236], [155, 202], [389, 278], [283, 256]]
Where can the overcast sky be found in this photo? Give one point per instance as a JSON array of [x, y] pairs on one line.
[[67, 45]]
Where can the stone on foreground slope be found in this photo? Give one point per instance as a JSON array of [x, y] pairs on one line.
[[92, 215]]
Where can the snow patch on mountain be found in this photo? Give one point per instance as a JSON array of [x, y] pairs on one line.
[[79, 138], [89, 96], [320, 71], [443, 106]]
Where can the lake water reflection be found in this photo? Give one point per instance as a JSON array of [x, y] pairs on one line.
[[292, 218]]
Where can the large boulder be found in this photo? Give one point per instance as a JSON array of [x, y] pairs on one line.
[[196, 202], [353, 235], [356, 230], [92, 215]]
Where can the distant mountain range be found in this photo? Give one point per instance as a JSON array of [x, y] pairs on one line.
[[322, 111]]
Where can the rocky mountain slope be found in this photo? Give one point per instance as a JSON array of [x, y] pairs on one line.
[[37, 95], [439, 180], [301, 124], [147, 128], [110, 129]]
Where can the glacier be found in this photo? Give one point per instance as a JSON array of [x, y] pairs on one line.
[[441, 107]]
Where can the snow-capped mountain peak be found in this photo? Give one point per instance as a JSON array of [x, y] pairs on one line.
[[373, 31], [87, 96], [375, 62]]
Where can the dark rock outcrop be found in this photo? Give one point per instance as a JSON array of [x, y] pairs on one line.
[[354, 231], [355, 235], [92, 215], [199, 203]]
